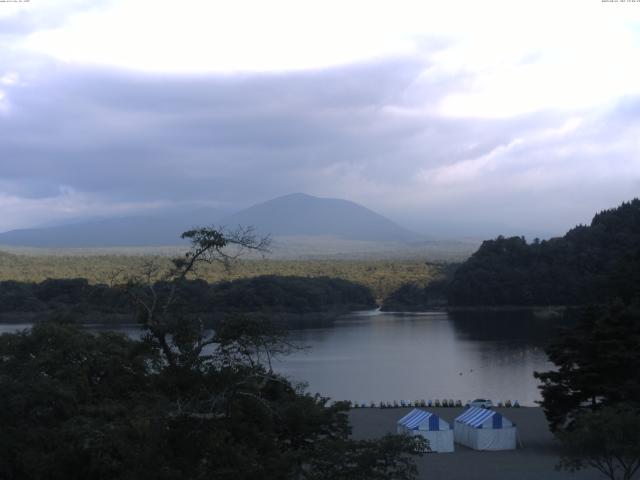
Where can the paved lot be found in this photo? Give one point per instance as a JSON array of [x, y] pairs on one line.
[[536, 458]]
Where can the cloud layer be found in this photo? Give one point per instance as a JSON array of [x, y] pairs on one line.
[[451, 125]]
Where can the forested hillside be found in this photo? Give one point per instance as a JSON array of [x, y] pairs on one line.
[[416, 297], [589, 264]]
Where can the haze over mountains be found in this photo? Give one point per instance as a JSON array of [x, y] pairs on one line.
[[291, 215], [139, 231], [300, 214]]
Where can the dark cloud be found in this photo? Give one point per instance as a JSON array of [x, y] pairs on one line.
[[137, 135], [369, 132]]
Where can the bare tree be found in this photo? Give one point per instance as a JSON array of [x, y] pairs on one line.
[[155, 292]]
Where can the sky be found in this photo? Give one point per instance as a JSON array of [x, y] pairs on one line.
[[467, 117]]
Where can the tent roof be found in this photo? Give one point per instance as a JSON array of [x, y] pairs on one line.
[[476, 416], [415, 418]]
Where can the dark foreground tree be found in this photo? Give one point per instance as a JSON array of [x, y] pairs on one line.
[[366, 459], [598, 363], [607, 439], [182, 403], [76, 405], [592, 399]]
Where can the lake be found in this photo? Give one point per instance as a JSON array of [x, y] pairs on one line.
[[376, 356]]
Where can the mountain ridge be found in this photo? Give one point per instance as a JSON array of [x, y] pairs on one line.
[[302, 214], [294, 214]]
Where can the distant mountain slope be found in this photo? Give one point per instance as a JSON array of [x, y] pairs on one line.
[[292, 215], [589, 264], [303, 215], [140, 231]]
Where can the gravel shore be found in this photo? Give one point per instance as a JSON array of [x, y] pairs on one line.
[[534, 459]]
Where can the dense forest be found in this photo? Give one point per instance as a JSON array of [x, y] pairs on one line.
[[267, 294], [589, 264], [412, 296]]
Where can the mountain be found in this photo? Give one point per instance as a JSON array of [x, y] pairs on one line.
[[141, 231], [299, 214]]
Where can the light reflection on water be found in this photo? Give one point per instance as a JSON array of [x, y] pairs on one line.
[[374, 356]]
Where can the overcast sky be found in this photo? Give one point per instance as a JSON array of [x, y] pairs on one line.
[[493, 117]]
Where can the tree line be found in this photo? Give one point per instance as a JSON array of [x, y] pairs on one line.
[[266, 294]]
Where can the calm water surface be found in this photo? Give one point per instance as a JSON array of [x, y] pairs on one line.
[[374, 356], [385, 356]]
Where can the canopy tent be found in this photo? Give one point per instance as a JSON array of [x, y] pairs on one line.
[[484, 429], [430, 426]]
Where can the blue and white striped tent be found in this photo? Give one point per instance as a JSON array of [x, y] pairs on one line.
[[430, 426], [485, 429]]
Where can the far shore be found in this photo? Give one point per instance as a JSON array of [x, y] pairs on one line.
[[291, 319], [541, 311]]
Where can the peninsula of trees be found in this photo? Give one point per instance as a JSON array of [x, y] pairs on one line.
[[590, 264]]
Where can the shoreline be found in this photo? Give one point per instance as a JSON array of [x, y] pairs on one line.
[[294, 320], [291, 320], [483, 308]]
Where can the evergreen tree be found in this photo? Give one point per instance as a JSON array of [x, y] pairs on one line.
[[598, 364], [589, 264], [607, 439]]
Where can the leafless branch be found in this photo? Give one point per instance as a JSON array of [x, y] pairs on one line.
[[208, 245]]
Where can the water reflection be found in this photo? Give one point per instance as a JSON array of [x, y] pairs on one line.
[[507, 325], [390, 356]]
